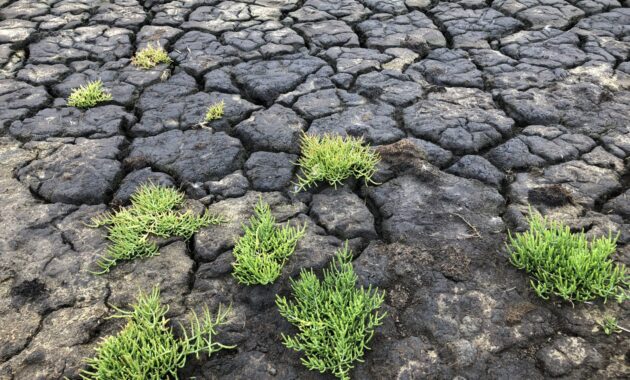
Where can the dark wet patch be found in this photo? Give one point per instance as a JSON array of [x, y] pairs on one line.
[[554, 196], [28, 291]]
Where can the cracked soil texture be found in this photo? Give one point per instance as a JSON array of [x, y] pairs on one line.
[[478, 108]]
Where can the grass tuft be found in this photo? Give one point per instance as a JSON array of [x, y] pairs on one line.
[[146, 348], [262, 252], [215, 111], [565, 264], [335, 319], [150, 57], [333, 159], [88, 95], [152, 213]]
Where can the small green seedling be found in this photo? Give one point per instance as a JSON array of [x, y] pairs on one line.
[[89, 95], [215, 111], [334, 318], [609, 325], [565, 264], [333, 159], [263, 250], [150, 57], [152, 214], [146, 348]]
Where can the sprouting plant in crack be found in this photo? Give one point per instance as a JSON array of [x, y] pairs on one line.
[[150, 57], [88, 95], [153, 213], [335, 319], [265, 247], [214, 111], [566, 264], [333, 159], [610, 325], [147, 349]]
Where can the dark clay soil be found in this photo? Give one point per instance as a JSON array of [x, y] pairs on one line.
[[478, 108]]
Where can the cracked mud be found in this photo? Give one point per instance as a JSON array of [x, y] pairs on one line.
[[478, 109]]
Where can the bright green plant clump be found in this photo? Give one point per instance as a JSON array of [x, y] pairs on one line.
[[150, 57], [89, 95], [262, 252], [565, 264], [335, 319], [334, 159], [152, 213], [215, 111], [146, 348]]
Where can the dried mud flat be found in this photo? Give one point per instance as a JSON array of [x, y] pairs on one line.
[[478, 109]]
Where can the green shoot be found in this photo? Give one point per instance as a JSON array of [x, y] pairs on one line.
[[565, 264], [146, 348], [88, 95], [150, 57], [262, 252], [335, 319], [334, 159], [609, 325], [152, 213], [215, 111]]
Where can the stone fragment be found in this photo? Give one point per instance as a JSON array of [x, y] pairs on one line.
[[190, 156], [325, 34], [18, 99], [81, 172], [477, 167], [265, 40], [96, 42], [198, 52], [43, 74], [270, 171], [275, 129], [230, 186], [413, 31], [16, 31], [447, 67], [97, 122], [541, 13], [459, 119], [391, 87], [471, 28], [356, 60], [265, 80], [375, 123], [343, 214]]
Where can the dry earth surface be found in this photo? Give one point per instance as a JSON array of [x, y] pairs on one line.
[[478, 109]]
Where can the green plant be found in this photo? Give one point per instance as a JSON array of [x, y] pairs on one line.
[[565, 264], [88, 95], [150, 57], [215, 111], [146, 348], [152, 213], [609, 325], [334, 159], [335, 319], [264, 248]]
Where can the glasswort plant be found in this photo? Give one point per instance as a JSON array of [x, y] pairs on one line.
[[335, 319], [333, 159], [150, 57], [88, 95], [565, 264], [263, 250], [152, 213], [146, 348]]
